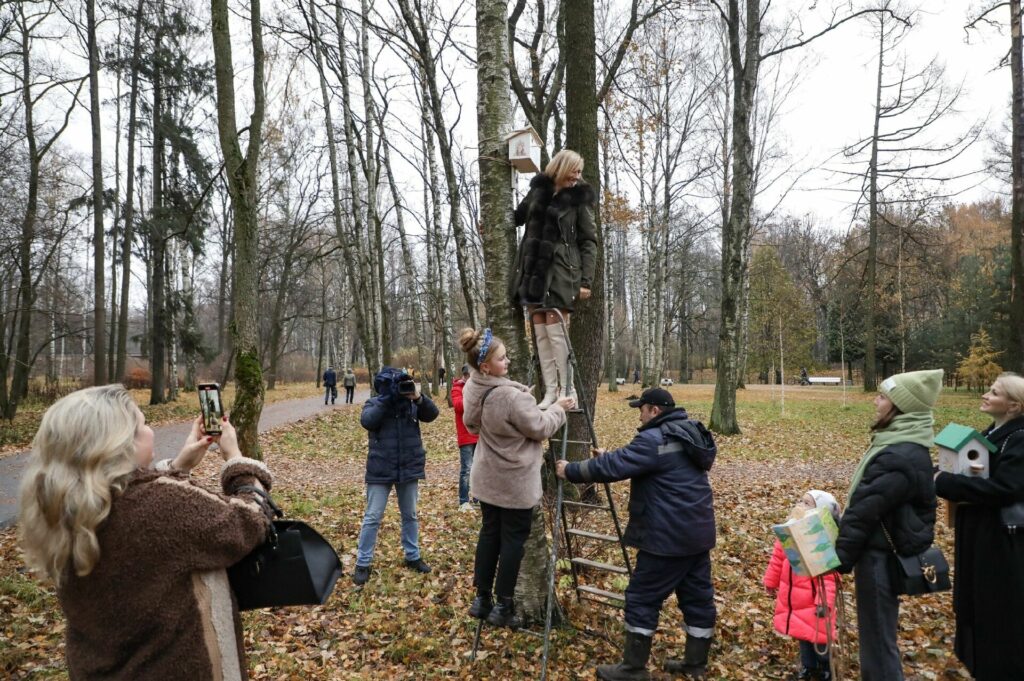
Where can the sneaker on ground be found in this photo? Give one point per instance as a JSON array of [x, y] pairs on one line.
[[466, 506], [418, 565], [361, 575]]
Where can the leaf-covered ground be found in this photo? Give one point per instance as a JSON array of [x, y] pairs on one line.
[[404, 625], [16, 434]]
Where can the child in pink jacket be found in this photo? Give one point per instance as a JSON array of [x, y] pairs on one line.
[[797, 613]]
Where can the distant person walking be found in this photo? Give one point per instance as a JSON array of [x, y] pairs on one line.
[[467, 440], [636, 375], [349, 381], [440, 376], [330, 385]]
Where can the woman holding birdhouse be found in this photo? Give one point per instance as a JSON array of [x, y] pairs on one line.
[[556, 261], [988, 593], [890, 509]]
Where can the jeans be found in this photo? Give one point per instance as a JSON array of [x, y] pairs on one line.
[[811, 659], [656, 577], [503, 534], [349, 392], [330, 393], [376, 500], [465, 464], [878, 610]]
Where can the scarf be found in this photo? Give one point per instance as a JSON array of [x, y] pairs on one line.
[[916, 428]]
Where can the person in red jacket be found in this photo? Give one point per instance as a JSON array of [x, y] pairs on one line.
[[467, 441], [799, 610]]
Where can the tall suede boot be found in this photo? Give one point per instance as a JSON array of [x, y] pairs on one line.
[[548, 371], [560, 350], [635, 653], [695, 659]]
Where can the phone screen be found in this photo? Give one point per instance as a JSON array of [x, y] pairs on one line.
[[211, 406]]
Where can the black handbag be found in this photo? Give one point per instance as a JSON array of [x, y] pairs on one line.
[[294, 566], [924, 573], [1012, 516]]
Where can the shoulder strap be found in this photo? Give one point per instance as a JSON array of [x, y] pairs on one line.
[[486, 395]]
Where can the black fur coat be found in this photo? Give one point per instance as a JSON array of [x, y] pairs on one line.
[[558, 253]]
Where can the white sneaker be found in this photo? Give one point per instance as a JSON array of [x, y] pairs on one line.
[[466, 507]]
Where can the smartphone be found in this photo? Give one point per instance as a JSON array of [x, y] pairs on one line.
[[211, 406]]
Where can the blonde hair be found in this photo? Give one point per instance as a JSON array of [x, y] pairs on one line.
[[81, 457], [562, 165], [470, 341], [1013, 385]]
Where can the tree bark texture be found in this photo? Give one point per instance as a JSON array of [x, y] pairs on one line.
[[1017, 214], [242, 184], [99, 336]]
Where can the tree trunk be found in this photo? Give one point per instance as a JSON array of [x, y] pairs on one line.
[[243, 186], [870, 284], [158, 245], [1017, 210], [744, 54], [99, 336], [497, 231]]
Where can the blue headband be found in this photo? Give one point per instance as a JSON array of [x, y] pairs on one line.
[[485, 347]]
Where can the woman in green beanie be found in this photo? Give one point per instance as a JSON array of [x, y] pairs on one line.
[[988, 594], [892, 492]]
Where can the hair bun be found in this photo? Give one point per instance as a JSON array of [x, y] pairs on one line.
[[468, 340]]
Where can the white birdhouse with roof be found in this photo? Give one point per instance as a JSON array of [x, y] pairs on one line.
[[524, 149], [964, 451]]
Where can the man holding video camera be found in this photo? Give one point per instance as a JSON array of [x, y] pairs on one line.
[[396, 459]]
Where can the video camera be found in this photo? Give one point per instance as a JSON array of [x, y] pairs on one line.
[[406, 385]]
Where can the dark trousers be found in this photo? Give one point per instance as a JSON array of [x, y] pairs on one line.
[[350, 391], [878, 611], [811, 659], [503, 533], [656, 577], [330, 393]]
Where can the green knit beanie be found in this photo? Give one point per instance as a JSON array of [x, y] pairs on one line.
[[914, 390]]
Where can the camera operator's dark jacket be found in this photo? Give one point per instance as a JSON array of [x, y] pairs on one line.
[[671, 507], [897, 489], [393, 421]]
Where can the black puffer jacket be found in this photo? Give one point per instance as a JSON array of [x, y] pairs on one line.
[[898, 488], [558, 253]]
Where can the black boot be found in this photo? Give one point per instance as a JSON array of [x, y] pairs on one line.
[[635, 652], [504, 614], [695, 659], [482, 606]]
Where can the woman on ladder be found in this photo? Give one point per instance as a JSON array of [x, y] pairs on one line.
[[556, 261], [505, 477]]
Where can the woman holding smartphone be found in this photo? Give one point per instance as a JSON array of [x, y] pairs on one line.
[[138, 552]]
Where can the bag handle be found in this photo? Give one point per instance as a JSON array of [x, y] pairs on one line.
[[259, 491]]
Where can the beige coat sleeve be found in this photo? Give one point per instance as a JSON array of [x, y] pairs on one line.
[[531, 421]]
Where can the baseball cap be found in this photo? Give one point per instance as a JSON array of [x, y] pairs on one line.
[[656, 397]]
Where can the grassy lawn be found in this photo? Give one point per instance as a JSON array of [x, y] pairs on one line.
[[407, 626], [16, 435]]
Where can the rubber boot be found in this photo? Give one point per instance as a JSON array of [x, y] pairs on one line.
[[635, 653], [482, 606], [560, 350], [695, 659], [504, 614], [547, 366]]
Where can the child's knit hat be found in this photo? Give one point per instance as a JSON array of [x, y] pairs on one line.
[[913, 391], [825, 500]]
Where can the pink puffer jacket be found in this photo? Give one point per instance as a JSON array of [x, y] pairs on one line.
[[795, 603]]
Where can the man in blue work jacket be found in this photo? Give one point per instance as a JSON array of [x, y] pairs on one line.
[[671, 523]]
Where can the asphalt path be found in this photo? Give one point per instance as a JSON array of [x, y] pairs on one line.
[[168, 440]]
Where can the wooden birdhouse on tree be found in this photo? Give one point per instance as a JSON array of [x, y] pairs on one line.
[[524, 150], [963, 451]]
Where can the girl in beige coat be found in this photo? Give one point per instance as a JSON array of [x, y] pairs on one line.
[[505, 477]]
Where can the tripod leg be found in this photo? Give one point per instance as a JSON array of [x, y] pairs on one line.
[[476, 640]]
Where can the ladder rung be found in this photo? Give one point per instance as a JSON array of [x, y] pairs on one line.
[[600, 566], [582, 504], [594, 535], [593, 590]]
